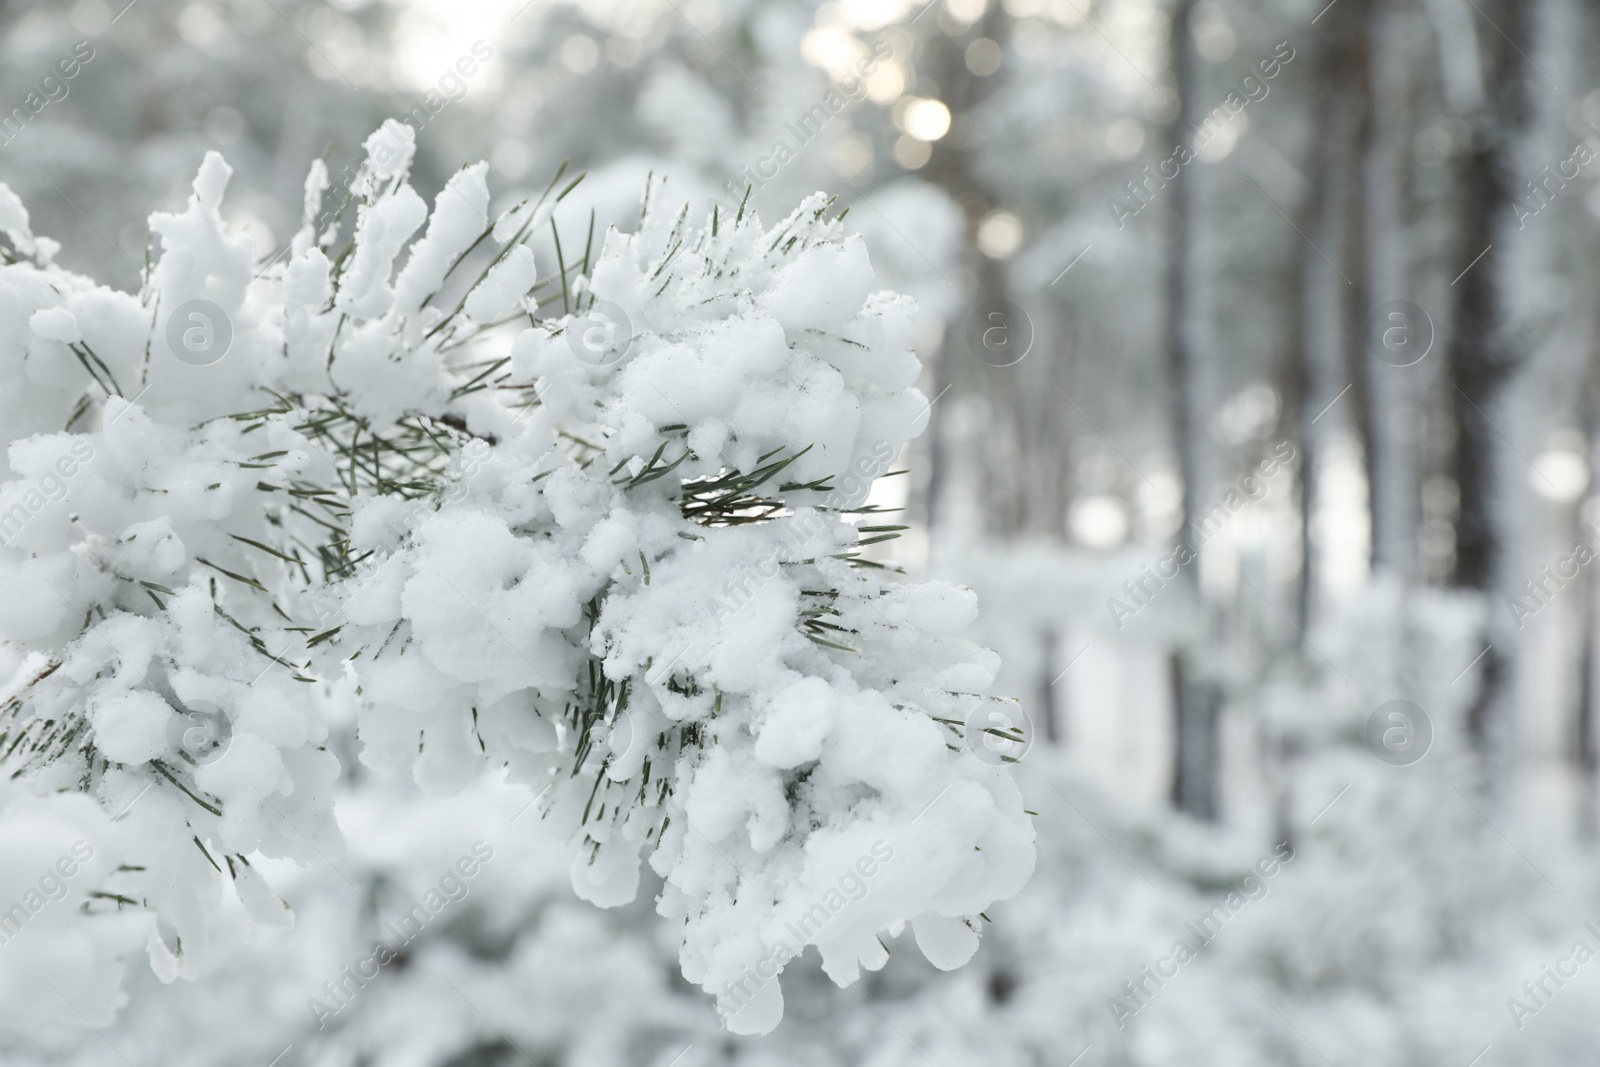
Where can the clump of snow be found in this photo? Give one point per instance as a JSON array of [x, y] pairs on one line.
[[60, 952]]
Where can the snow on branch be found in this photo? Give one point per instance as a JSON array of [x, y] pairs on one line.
[[597, 523]]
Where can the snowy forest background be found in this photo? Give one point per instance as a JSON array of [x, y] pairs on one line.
[[1305, 289]]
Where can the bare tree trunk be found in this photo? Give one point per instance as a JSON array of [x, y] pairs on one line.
[[1050, 706], [1585, 743], [1327, 149], [1350, 40], [1484, 353], [1585, 732], [1392, 464], [1295, 386], [1195, 700], [1328, 348], [1326, 312], [1024, 485], [953, 168]]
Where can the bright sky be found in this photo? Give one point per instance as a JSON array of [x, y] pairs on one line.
[[434, 33]]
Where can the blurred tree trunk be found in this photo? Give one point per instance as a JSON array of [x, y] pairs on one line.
[[1327, 307], [953, 168], [1392, 422], [1586, 756], [1484, 353], [1196, 701], [1023, 490], [1331, 286], [1585, 732], [1586, 709], [1049, 704], [1350, 47]]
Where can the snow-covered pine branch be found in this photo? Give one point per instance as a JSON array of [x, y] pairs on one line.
[[616, 554]]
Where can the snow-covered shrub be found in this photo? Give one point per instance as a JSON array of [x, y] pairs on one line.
[[613, 551]]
